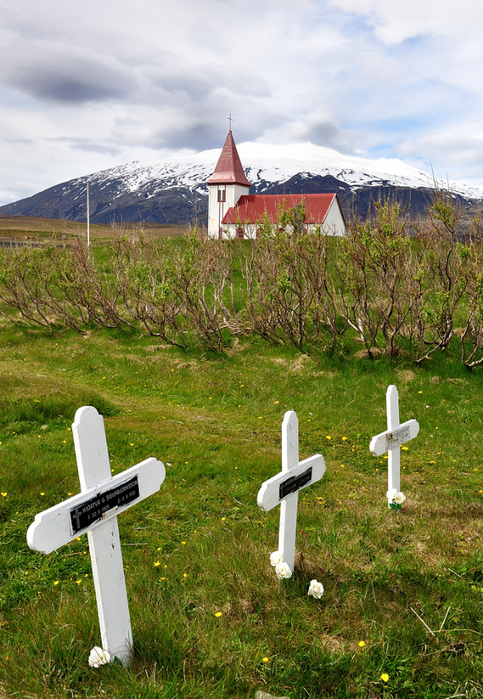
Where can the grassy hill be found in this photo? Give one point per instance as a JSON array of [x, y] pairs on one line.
[[44, 229]]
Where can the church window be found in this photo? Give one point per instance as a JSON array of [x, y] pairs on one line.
[[222, 195], [240, 233]]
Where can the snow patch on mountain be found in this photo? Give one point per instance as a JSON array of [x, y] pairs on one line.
[[271, 163]]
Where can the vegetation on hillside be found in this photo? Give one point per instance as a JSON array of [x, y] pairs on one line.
[[395, 287]]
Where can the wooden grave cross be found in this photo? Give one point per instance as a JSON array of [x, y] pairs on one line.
[[392, 438], [95, 511], [283, 488]]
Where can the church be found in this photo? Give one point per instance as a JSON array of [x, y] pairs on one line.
[[234, 213]]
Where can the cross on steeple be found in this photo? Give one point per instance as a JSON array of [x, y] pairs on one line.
[[230, 120]]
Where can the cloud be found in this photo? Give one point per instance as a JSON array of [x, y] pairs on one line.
[[62, 76], [88, 145], [89, 85], [394, 22], [318, 127], [180, 80], [457, 150]]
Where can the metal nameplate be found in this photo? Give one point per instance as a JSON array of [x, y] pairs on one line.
[[398, 436], [291, 485], [92, 510]]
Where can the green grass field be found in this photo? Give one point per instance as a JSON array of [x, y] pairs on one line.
[[202, 545], [402, 611]]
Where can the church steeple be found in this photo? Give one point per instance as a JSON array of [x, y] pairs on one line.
[[229, 169], [226, 185]]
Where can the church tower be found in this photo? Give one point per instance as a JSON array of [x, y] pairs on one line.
[[225, 187]]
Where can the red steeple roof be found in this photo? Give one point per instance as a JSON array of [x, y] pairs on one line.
[[229, 169]]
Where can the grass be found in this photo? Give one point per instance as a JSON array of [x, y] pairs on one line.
[[47, 229], [401, 615]]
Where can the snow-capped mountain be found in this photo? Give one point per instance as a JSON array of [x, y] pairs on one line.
[[175, 191]]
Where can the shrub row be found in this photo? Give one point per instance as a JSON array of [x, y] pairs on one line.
[[394, 286]]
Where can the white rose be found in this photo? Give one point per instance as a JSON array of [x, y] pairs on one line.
[[275, 558], [282, 570], [391, 494], [98, 657], [316, 589], [399, 498]]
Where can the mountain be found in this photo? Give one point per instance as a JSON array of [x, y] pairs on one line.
[[168, 191]]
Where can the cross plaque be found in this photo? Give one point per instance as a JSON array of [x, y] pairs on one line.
[[283, 488], [95, 511], [392, 438]]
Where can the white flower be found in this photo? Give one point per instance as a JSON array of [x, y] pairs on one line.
[[399, 498], [391, 494], [316, 589], [98, 657], [275, 558], [282, 570]]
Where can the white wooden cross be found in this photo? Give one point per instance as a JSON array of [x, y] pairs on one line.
[[283, 488], [392, 438], [95, 511]]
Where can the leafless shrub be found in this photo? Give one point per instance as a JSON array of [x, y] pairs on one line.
[[181, 295], [24, 277], [203, 274], [82, 294], [444, 273], [379, 277], [288, 295], [471, 255], [145, 279]]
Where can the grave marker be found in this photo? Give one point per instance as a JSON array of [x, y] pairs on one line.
[[283, 488], [95, 511], [392, 439]]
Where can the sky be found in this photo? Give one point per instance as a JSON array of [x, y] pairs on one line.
[[90, 85]]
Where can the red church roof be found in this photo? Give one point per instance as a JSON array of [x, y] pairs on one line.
[[253, 207], [229, 169]]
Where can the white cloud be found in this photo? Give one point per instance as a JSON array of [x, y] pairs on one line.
[[457, 152], [395, 22], [91, 85]]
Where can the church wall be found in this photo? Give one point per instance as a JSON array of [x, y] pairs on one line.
[[334, 221], [217, 209], [230, 230]]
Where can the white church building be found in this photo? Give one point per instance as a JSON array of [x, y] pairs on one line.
[[233, 212]]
